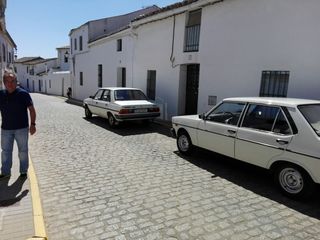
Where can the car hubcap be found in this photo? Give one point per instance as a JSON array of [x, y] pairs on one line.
[[183, 143], [291, 180], [111, 120]]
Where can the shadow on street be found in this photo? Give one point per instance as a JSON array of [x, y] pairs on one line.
[[252, 178], [12, 194], [131, 127]]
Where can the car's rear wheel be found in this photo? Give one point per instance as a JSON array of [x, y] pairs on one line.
[[293, 181], [184, 143], [111, 120], [87, 112]]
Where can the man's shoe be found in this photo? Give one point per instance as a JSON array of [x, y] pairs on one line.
[[3, 176], [23, 175]]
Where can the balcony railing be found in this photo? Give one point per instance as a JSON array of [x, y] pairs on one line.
[[192, 38]]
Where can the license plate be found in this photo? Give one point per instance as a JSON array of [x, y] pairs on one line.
[[143, 110]]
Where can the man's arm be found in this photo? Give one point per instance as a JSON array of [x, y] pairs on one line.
[[32, 113]]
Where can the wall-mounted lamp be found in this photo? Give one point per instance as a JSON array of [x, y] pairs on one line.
[[66, 56]]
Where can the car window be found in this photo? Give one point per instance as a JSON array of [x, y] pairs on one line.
[[260, 117], [98, 94], [129, 94], [227, 112], [281, 125], [312, 115], [106, 96]]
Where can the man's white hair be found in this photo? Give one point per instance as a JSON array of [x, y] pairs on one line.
[[9, 72]]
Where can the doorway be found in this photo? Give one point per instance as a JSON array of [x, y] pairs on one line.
[[192, 89], [122, 78]]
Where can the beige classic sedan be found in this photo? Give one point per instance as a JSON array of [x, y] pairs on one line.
[[118, 104], [280, 134]]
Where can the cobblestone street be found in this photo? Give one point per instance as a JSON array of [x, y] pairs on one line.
[[131, 183]]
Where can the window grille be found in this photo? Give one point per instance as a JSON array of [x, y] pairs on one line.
[[274, 83], [100, 75], [80, 43], [192, 31], [151, 84], [119, 45], [81, 78]]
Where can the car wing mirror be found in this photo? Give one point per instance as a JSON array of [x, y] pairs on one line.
[[202, 116], [90, 96]]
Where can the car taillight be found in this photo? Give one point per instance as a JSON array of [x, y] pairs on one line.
[[125, 111], [155, 109]]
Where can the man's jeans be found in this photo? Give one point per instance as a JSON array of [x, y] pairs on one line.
[[7, 139]]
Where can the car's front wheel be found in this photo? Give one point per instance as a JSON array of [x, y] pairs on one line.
[[184, 143], [87, 112], [111, 120], [293, 181]]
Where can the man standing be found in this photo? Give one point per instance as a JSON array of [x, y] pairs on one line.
[[14, 105]]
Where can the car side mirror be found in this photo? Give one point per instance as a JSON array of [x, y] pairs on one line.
[[90, 96], [202, 116]]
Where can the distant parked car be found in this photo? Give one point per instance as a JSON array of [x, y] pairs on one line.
[[280, 134], [119, 104]]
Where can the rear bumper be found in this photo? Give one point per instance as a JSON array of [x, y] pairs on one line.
[[132, 117]]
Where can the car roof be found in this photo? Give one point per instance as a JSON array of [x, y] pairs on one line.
[[120, 88], [287, 102]]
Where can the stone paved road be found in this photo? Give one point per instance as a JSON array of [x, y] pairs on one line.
[[131, 183]]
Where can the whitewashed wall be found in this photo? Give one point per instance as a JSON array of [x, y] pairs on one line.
[[103, 52], [77, 60], [152, 51], [57, 83], [241, 38], [64, 66], [8, 49], [21, 73]]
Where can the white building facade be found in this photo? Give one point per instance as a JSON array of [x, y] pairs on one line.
[[7, 45], [57, 79], [189, 56], [30, 72], [101, 53], [51, 76]]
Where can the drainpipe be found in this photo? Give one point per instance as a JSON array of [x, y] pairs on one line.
[[172, 58], [134, 36]]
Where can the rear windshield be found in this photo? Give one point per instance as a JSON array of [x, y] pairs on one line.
[[312, 115], [127, 94]]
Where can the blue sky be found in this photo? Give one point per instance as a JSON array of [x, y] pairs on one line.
[[38, 27]]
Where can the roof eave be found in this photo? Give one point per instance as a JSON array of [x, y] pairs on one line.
[[174, 9]]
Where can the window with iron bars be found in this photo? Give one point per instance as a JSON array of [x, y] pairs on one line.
[[192, 32], [151, 84], [274, 83], [100, 75], [81, 78]]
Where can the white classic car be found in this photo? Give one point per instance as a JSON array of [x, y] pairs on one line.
[[120, 104], [280, 134]]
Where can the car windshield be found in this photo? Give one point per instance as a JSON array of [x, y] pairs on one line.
[[129, 94], [312, 114]]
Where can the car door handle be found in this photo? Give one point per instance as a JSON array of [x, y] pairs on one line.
[[231, 131], [282, 142]]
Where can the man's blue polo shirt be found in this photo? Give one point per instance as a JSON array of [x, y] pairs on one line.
[[14, 109]]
